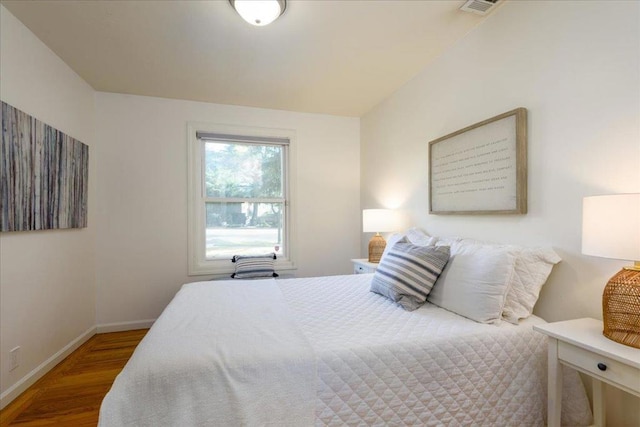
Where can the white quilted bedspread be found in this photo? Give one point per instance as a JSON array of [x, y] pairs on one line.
[[256, 353], [221, 354], [379, 365]]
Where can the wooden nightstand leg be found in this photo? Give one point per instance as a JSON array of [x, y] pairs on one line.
[[554, 388], [599, 413]]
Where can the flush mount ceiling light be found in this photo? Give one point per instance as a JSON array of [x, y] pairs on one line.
[[259, 12]]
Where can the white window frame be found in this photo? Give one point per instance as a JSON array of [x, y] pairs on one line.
[[198, 264]]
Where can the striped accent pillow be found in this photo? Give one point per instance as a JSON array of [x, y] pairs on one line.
[[251, 266], [407, 273]]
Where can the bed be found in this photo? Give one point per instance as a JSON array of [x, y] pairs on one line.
[[326, 351]]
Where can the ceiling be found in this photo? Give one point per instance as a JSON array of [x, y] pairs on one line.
[[334, 57]]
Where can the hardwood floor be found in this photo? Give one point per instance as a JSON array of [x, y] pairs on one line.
[[71, 393]]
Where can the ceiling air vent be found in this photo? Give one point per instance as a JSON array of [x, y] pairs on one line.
[[479, 7]]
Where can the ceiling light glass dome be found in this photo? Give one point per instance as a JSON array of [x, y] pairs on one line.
[[259, 12]]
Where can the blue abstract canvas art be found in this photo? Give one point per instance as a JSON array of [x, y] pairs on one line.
[[43, 175]]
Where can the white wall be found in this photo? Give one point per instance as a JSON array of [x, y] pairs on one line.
[[576, 67], [47, 278], [142, 219]]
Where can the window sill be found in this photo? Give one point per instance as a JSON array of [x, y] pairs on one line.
[[225, 267]]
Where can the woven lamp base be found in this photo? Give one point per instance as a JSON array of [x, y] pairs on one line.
[[376, 247], [621, 308]]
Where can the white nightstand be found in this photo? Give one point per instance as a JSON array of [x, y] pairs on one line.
[[580, 344], [362, 266]]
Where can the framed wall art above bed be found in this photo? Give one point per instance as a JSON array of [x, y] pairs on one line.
[[481, 169]]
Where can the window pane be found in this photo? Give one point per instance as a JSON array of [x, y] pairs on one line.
[[244, 229], [243, 171]]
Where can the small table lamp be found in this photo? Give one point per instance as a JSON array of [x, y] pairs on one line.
[[611, 229], [375, 221]]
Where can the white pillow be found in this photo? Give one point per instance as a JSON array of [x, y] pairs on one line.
[[533, 266], [475, 282], [419, 237], [413, 235], [531, 270]]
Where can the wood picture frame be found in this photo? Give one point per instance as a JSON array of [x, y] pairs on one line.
[[481, 169]]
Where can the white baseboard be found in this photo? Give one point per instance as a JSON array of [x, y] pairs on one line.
[[124, 326], [28, 380], [37, 373]]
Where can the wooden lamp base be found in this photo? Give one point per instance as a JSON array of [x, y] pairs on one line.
[[621, 307], [376, 248]]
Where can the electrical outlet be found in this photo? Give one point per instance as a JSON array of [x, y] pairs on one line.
[[15, 358]]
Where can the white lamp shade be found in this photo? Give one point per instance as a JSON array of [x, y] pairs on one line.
[[380, 220], [259, 12], [611, 226]]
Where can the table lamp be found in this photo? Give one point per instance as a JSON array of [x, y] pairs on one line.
[[376, 221], [611, 229]]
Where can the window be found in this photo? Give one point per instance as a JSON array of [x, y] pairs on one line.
[[239, 197]]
